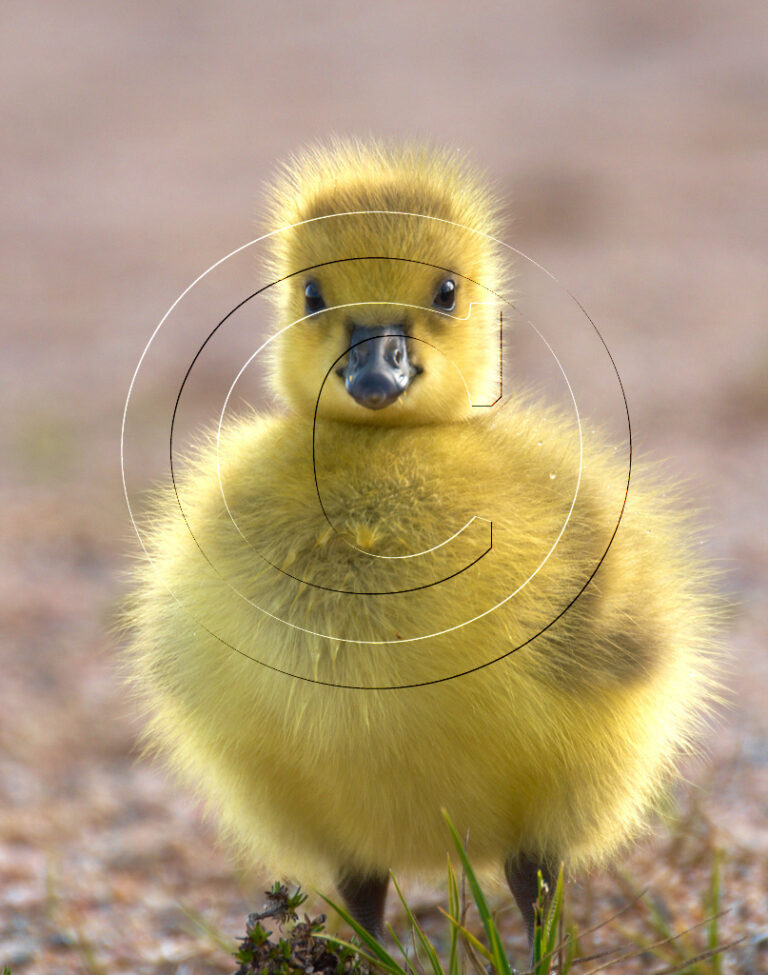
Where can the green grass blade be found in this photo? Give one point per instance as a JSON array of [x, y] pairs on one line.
[[547, 940], [376, 951], [335, 942], [454, 910], [401, 947], [214, 935], [468, 936], [500, 961], [713, 909], [426, 944]]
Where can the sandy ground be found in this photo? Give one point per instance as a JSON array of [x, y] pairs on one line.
[[632, 143]]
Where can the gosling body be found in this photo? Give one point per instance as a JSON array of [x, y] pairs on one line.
[[370, 613]]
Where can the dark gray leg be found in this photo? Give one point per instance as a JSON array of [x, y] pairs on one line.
[[364, 898], [520, 871]]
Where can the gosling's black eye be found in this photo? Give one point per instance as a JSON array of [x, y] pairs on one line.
[[313, 297], [445, 299]]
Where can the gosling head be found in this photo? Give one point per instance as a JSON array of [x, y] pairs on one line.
[[388, 290]]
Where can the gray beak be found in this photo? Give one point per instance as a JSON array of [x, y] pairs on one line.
[[378, 369]]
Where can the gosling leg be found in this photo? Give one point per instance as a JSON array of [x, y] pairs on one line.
[[521, 873], [364, 897]]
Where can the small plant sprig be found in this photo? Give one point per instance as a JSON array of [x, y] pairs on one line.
[[297, 948], [549, 943]]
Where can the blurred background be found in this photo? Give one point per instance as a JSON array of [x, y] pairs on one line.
[[631, 143]]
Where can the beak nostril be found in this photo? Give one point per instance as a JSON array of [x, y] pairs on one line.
[[358, 356], [378, 370]]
